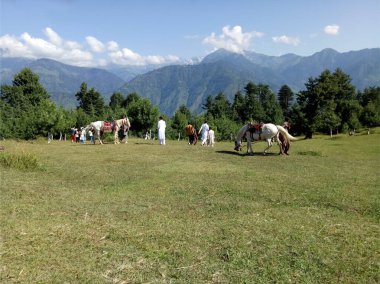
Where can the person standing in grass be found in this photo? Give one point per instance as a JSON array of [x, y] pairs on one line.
[[91, 135], [192, 134], [77, 133], [211, 138], [161, 131], [83, 136], [204, 132], [73, 135]]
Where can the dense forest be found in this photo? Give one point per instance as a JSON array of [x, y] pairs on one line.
[[328, 103]]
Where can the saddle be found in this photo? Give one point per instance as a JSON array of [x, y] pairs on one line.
[[255, 128], [108, 126]]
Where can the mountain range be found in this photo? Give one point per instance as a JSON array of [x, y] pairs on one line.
[[189, 84]]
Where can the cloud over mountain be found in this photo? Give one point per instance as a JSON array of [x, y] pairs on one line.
[[91, 52], [287, 40], [232, 39]]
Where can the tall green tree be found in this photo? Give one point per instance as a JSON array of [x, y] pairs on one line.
[[253, 109], [238, 108], [271, 107], [218, 106], [31, 112], [369, 99], [131, 98], [25, 91], [116, 101], [285, 99], [91, 102], [329, 89], [143, 115], [347, 108]]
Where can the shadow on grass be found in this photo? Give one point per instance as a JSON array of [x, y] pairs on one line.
[[147, 143], [243, 154]]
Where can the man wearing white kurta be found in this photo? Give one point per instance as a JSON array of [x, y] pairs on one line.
[[204, 130], [161, 131]]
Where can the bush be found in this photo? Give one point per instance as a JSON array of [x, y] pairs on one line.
[[19, 161]]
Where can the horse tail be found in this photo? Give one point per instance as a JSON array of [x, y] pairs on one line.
[[285, 133]]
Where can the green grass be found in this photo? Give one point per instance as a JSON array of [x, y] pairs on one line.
[[144, 213]]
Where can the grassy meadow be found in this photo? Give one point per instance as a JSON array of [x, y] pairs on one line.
[[144, 213]]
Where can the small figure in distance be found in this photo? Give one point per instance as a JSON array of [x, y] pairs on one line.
[[204, 130], [211, 138], [161, 131]]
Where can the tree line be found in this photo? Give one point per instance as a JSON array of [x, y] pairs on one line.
[[328, 103]]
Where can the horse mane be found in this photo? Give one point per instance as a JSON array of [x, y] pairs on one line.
[[242, 132]]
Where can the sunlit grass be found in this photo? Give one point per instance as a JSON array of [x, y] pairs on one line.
[[141, 213]]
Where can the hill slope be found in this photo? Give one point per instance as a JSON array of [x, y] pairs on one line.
[[227, 72], [221, 71], [62, 81]]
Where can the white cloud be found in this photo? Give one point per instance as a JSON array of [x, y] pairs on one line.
[[53, 37], [40, 47], [112, 46], [72, 52], [12, 47], [232, 39], [332, 29], [54, 47], [126, 56], [95, 44], [287, 40]]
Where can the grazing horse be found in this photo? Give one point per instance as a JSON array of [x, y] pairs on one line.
[[266, 132], [100, 127]]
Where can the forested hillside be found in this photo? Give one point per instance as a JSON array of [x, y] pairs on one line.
[[170, 87], [228, 72], [329, 103]]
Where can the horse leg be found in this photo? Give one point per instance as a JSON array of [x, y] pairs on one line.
[[99, 137], [269, 145], [126, 137], [279, 143], [249, 147], [116, 138]]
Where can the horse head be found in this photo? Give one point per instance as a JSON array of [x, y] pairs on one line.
[[237, 146]]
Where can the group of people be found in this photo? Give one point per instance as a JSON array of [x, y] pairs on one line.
[[207, 134], [79, 135]]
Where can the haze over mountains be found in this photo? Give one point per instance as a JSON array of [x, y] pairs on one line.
[[189, 84]]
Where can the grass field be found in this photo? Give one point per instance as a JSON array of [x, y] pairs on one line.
[[144, 213]]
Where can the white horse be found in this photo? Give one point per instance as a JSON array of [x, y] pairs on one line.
[[266, 132], [100, 127]]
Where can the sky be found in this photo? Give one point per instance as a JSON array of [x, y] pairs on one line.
[[96, 33]]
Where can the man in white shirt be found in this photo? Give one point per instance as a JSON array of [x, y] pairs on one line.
[[204, 132], [161, 131]]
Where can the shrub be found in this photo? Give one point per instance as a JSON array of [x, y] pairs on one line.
[[19, 161]]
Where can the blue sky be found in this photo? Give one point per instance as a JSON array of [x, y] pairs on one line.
[[139, 32]]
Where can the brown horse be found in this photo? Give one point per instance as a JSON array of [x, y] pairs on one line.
[[285, 143]]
